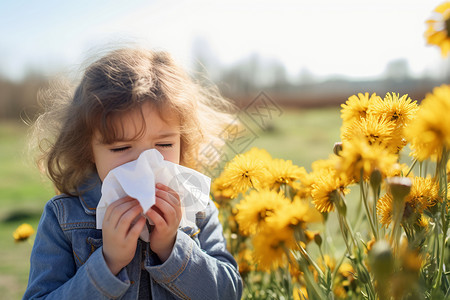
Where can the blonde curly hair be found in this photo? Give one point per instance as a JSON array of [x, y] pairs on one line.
[[118, 82]]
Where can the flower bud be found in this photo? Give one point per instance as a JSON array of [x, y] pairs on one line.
[[381, 260], [337, 148], [318, 239], [339, 202], [399, 187], [375, 179]]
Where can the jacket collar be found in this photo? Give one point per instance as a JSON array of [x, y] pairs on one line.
[[90, 193]]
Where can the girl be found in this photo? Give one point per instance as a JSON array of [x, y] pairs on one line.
[[127, 102]]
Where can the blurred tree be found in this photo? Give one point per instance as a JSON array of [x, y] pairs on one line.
[[397, 70]]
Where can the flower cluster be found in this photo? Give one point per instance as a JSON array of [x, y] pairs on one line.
[[23, 232], [277, 216]]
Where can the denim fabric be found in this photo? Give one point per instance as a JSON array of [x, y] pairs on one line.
[[67, 260]]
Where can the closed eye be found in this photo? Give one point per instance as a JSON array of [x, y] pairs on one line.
[[120, 149], [164, 145]]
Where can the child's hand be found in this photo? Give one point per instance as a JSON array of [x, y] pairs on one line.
[[166, 214], [119, 234]]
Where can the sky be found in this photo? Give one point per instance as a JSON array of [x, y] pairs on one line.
[[351, 38]]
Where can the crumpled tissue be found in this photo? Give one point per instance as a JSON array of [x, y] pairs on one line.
[[138, 178]]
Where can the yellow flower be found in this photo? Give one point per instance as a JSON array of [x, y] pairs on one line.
[[284, 172], [281, 231], [375, 129], [270, 244], [242, 173], [400, 110], [345, 281], [245, 261], [304, 189], [438, 28], [428, 132], [23, 232], [399, 170], [296, 214], [384, 209], [260, 154], [424, 194], [326, 188], [221, 190], [358, 155], [256, 207], [356, 107]]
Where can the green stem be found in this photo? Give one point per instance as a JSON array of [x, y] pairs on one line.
[[376, 196], [442, 169], [369, 215], [412, 166]]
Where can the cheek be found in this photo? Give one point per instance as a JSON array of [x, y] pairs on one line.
[[172, 155]]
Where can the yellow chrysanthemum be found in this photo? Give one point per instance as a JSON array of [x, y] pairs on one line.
[[304, 190], [424, 194], [245, 261], [278, 234], [283, 172], [256, 207], [358, 155], [377, 130], [384, 210], [399, 170], [326, 188], [23, 232], [221, 189], [244, 172], [296, 214], [438, 28], [400, 110], [345, 281], [259, 154], [429, 133], [305, 187], [270, 244], [325, 164], [356, 107]]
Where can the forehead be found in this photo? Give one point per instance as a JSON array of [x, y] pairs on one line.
[[130, 125]]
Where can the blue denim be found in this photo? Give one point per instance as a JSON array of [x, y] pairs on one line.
[[67, 260]]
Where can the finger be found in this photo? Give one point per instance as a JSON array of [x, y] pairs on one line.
[[169, 190], [156, 218], [116, 203], [119, 210], [136, 229], [127, 218], [169, 213], [172, 200]]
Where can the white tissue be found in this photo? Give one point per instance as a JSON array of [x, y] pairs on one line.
[[138, 178]]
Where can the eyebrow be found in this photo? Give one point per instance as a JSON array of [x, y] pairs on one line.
[[167, 134]]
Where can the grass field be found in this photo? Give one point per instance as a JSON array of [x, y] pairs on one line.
[[299, 135]]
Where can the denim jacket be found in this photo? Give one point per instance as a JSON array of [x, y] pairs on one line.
[[67, 260]]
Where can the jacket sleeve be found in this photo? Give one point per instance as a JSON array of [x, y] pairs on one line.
[[205, 272], [53, 273]]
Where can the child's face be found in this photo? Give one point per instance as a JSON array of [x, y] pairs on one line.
[[159, 134]]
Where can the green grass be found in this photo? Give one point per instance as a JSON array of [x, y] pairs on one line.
[[302, 136], [299, 135], [23, 194]]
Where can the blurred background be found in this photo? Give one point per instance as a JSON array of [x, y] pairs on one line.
[[302, 58]]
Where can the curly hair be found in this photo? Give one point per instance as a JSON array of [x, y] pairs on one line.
[[118, 82]]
